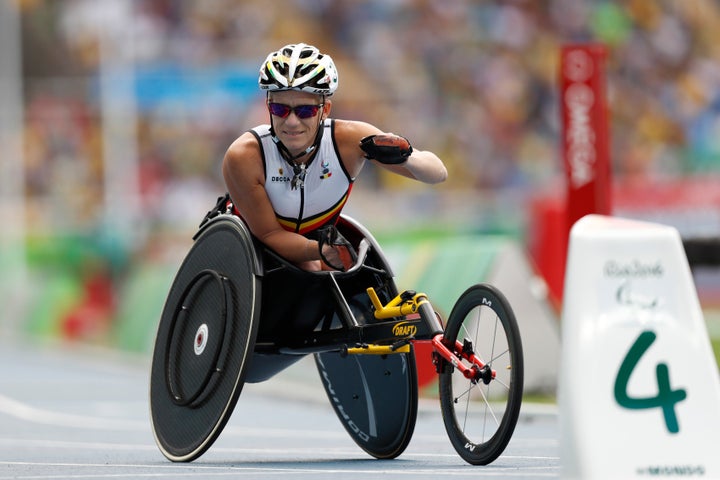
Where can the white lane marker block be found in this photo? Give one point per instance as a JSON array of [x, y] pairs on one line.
[[639, 389]]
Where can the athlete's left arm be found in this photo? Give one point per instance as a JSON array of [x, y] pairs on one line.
[[421, 165]]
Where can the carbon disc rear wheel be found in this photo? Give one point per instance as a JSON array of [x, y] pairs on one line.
[[204, 340]]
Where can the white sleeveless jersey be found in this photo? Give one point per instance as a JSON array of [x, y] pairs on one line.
[[326, 188]]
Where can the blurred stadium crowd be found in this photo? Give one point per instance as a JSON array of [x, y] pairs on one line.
[[473, 80]]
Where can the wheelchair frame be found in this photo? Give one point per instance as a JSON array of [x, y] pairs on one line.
[[347, 321]]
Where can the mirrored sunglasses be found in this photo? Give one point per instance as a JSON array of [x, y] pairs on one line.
[[302, 111]]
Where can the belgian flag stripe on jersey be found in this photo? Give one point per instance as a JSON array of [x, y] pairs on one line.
[[316, 221]]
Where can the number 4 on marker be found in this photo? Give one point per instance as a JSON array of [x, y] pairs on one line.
[[666, 397]]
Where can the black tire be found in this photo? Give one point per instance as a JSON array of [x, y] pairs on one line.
[[205, 339], [480, 418]]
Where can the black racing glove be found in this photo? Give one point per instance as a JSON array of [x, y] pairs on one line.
[[335, 250], [386, 148]]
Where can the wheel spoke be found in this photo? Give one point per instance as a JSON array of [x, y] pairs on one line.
[[478, 413], [489, 408], [504, 384], [494, 359]]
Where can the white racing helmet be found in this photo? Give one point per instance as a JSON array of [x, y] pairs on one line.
[[299, 67]]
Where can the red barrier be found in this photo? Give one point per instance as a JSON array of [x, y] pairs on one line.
[[585, 137], [585, 150]]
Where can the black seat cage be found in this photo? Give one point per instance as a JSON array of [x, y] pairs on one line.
[[306, 312]]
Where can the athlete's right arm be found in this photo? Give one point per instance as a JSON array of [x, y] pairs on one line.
[[245, 180]]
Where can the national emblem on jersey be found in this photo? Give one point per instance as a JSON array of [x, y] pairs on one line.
[[326, 173]]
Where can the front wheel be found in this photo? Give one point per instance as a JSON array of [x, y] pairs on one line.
[[480, 414]]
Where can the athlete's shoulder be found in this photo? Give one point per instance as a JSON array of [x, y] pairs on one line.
[[348, 134], [353, 130], [247, 143], [244, 155], [260, 131]]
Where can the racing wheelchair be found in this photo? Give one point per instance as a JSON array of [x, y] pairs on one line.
[[239, 313]]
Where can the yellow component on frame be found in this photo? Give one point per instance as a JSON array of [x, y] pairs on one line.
[[397, 307], [377, 350]]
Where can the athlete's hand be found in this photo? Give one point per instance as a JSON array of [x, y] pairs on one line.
[[386, 148], [335, 251]]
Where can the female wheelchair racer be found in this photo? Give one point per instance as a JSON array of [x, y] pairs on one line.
[[251, 298], [231, 317]]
